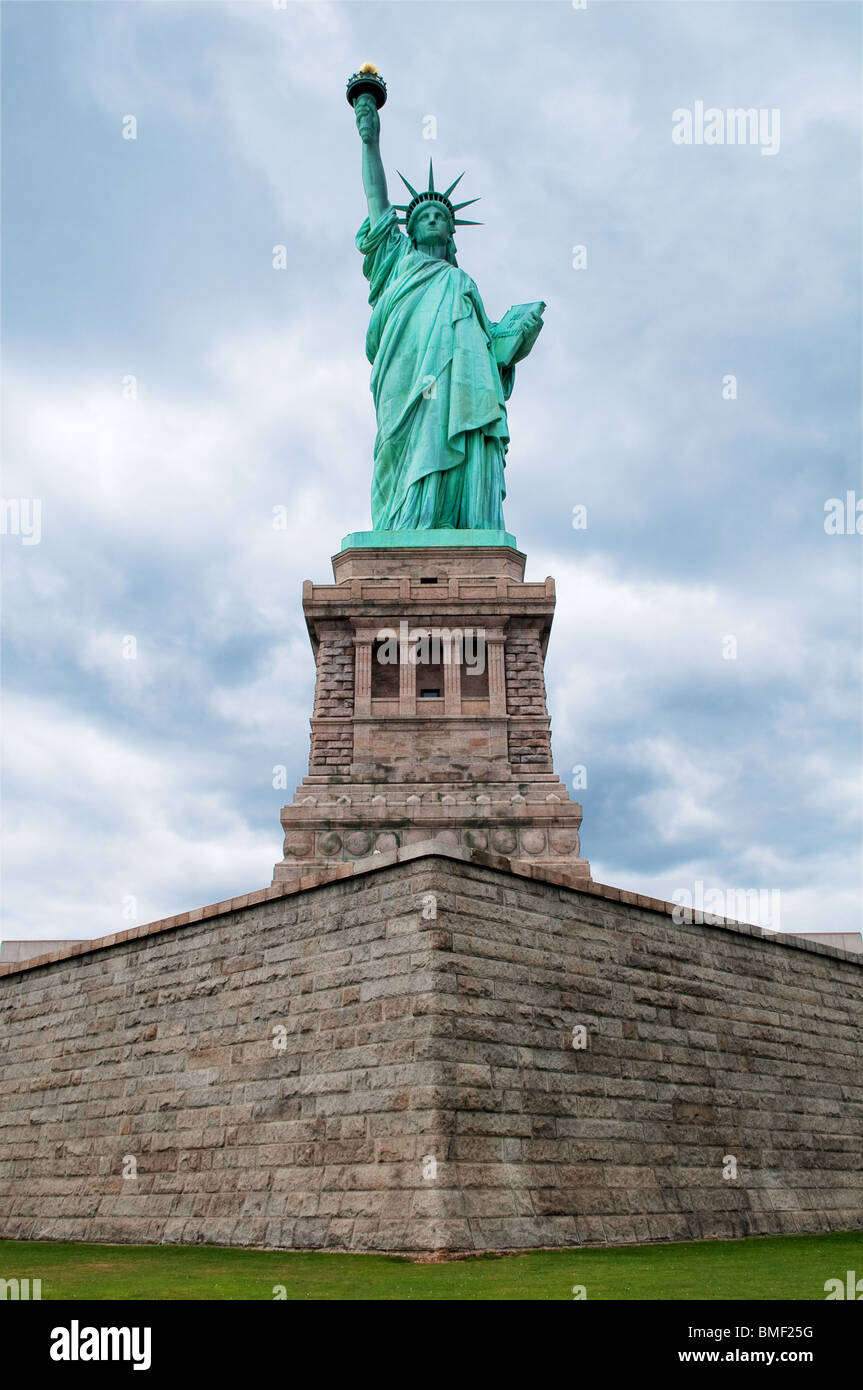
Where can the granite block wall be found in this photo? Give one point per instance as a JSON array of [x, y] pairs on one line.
[[431, 1051]]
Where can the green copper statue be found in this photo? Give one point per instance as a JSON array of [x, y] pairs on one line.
[[441, 370]]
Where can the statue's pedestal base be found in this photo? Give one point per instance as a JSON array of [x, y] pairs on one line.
[[430, 718]]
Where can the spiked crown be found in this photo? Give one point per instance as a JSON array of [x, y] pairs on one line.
[[431, 195]]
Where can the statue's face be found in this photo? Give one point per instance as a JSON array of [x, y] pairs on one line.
[[431, 224]]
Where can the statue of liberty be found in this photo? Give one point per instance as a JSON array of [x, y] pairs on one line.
[[441, 370]]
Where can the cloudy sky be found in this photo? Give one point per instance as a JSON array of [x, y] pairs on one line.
[[139, 787]]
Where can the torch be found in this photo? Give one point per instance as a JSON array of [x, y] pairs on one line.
[[367, 82]]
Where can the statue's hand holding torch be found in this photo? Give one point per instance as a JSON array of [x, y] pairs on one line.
[[368, 120], [367, 92]]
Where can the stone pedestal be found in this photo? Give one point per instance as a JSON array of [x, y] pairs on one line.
[[430, 717]]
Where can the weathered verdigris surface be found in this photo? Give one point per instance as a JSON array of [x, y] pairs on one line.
[[441, 370], [427, 1010]]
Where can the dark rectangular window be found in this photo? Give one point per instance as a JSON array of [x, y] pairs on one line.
[[385, 674], [474, 683]]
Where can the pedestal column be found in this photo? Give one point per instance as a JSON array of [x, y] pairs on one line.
[[363, 642], [494, 644], [407, 678]]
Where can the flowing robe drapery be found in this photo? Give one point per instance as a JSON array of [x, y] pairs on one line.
[[438, 390]]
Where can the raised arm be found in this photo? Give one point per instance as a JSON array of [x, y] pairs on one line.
[[374, 178]]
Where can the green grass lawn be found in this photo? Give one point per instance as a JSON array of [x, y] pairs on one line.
[[782, 1267]]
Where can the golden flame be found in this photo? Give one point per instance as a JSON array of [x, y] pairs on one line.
[[370, 68]]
